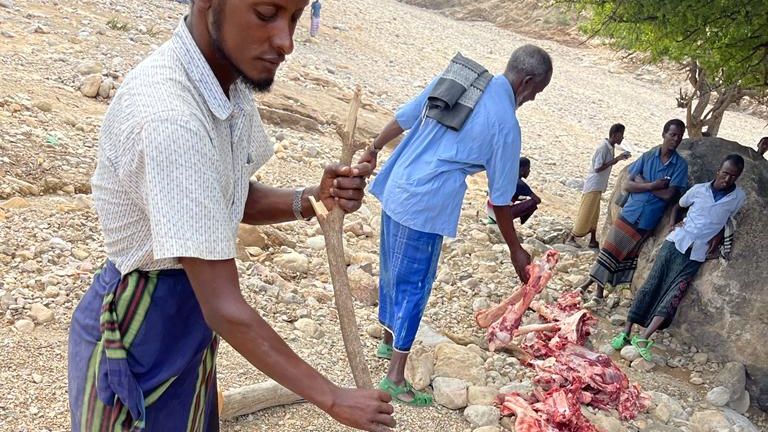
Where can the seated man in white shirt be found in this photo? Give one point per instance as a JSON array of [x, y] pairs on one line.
[[709, 205]]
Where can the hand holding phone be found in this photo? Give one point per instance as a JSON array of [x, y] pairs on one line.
[[662, 183]]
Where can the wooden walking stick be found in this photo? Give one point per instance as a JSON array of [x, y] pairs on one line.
[[332, 224], [256, 397]]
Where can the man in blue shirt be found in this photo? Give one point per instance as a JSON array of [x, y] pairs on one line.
[[655, 180], [421, 189]]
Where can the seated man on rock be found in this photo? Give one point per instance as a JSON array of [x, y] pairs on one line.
[[525, 202], [709, 205]]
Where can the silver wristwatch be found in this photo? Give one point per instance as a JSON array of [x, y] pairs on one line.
[[297, 204]]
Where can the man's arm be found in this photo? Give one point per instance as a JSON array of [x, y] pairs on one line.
[[525, 192], [391, 131], [405, 118], [635, 184], [612, 162], [714, 244], [676, 217], [668, 194], [505, 216], [339, 185], [681, 207], [217, 289]]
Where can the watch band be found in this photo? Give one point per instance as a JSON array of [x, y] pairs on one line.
[[297, 193]]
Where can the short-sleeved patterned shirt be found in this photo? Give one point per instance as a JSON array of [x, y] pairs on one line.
[[175, 158]]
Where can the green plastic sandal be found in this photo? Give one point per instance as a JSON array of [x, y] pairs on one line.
[[620, 341], [384, 351], [645, 351], [420, 399]]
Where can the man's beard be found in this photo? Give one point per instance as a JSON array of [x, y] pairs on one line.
[[261, 85]]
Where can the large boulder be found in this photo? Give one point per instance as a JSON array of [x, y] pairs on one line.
[[724, 312]]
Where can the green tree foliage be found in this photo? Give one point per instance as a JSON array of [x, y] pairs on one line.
[[723, 43]]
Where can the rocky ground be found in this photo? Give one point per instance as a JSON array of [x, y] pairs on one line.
[[55, 56]]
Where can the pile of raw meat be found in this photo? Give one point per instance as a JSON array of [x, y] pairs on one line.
[[568, 374]]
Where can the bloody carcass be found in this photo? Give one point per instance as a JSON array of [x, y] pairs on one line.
[[568, 374], [503, 319], [602, 383], [557, 410]]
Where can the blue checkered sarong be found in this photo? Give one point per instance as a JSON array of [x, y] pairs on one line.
[[408, 264]]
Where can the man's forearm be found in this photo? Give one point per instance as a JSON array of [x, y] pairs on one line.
[[716, 241], [604, 166], [505, 217], [536, 199], [635, 187], [258, 342], [607, 165], [522, 208], [666, 194], [270, 205], [391, 131], [676, 215], [217, 288]]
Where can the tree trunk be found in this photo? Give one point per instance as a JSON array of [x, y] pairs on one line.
[[714, 127], [694, 126], [702, 114]]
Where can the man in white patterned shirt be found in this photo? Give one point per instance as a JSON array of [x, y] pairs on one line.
[[178, 147]]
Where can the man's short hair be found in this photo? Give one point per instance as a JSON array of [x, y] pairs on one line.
[[530, 60], [525, 162], [736, 160], [616, 128], [674, 122]]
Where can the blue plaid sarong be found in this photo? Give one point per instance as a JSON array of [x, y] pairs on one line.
[[408, 264]]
